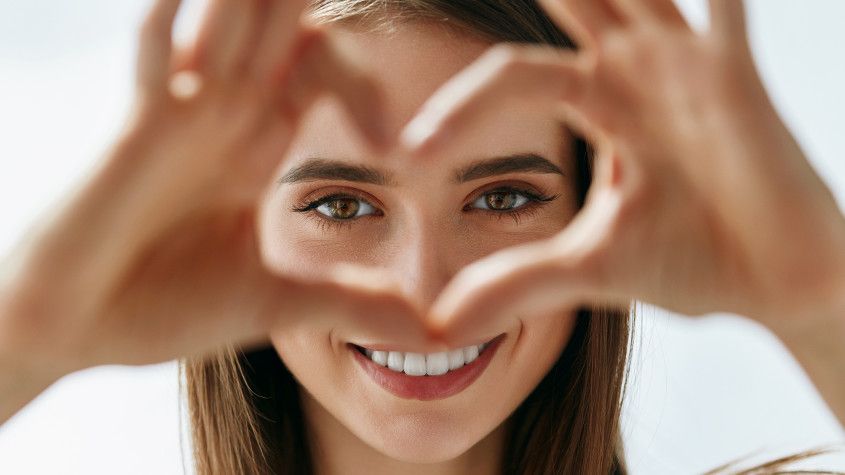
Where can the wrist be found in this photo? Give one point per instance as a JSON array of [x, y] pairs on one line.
[[20, 378], [810, 323], [818, 344]]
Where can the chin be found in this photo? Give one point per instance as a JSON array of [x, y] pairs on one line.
[[424, 437]]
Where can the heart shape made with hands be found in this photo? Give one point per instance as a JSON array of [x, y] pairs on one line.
[[690, 154], [691, 159], [649, 229]]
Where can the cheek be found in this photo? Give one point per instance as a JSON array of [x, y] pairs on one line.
[[308, 354], [287, 249], [542, 341]]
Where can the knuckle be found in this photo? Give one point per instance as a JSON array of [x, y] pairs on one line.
[[636, 197]]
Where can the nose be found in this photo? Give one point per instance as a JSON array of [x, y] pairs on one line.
[[426, 258]]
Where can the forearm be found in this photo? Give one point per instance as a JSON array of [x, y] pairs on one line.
[[20, 383], [820, 349], [18, 386]]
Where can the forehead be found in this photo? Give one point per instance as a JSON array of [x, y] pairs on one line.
[[410, 63]]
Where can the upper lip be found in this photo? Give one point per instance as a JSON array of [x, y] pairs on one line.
[[388, 347]]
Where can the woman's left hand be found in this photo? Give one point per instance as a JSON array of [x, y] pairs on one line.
[[701, 202]]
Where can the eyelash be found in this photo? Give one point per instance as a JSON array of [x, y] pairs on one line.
[[535, 201], [309, 208]]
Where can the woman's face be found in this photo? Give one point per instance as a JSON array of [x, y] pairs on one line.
[[420, 223]]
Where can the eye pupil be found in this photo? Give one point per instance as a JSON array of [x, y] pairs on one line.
[[344, 208], [501, 200]]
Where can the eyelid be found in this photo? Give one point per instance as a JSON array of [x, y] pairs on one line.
[[534, 193], [537, 197], [326, 194], [327, 223], [363, 205]]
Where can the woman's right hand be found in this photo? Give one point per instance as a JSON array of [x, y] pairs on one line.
[[156, 256]]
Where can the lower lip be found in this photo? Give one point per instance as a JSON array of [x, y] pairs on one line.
[[428, 388]]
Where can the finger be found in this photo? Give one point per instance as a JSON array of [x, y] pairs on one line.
[[319, 68], [518, 284], [534, 280], [277, 39], [251, 172], [539, 77], [156, 47], [728, 19], [224, 36], [587, 20], [665, 11], [282, 305], [376, 310]]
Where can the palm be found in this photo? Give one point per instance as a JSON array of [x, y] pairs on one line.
[[674, 185], [203, 281], [157, 256], [701, 201], [708, 212]]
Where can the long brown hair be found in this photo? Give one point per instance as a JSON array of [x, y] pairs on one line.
[[245, 409]]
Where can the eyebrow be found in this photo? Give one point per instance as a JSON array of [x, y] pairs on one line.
[[524, 163], [323, 169]]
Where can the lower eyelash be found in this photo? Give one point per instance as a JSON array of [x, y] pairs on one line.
[[309, 209], [328, 224], [527, 211], [535, 202]]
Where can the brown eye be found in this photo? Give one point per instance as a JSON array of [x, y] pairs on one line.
[[501, 201], [344, 208]]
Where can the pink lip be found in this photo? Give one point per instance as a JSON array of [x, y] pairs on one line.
[[428, 388]]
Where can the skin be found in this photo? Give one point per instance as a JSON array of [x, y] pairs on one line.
[[156, 256], [421, 238], [702, 202]]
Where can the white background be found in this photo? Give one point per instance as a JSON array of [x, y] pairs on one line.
[[706, 391]]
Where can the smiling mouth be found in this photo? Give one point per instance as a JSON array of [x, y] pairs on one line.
[[426, 376]]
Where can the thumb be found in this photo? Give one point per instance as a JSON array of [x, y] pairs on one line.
[[533, 280], [728, 19], [522, 282], [362, 303]]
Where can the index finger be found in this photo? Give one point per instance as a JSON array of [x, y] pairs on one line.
[[540, 77], [156, 47], [283, 25]]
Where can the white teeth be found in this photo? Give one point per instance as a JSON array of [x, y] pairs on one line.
[[379, 357], [456, 359], [432, 364], [396, 361], [437, 364], [415, 364], [470, 354]]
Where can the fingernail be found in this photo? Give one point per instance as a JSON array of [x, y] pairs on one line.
[[421, 137]]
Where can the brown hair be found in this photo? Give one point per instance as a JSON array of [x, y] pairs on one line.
[[245, 410]]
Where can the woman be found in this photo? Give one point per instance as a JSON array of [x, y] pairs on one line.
[[184, 194]]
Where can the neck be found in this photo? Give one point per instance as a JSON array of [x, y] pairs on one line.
[[337, 450]]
